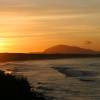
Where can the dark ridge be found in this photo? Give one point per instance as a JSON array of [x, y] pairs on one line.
[[15, 88], [27, 56]]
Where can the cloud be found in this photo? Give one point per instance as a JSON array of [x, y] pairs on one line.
[[68, 6], [88, 42], [49, 16], [7, 35], [23, 35]]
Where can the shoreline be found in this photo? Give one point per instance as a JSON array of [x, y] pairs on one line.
[[4, 57]]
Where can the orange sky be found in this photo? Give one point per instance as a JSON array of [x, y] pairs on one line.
[[34, 25]]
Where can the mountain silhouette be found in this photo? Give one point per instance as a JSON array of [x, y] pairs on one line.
[[65, 49]]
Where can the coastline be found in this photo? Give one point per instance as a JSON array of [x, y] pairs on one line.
[[27, 56]]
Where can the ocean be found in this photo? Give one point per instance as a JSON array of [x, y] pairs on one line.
[[62, 79]]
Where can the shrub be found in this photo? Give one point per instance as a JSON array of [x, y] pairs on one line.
[[16, 88]]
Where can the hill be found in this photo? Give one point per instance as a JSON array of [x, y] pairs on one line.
[[65, 49]]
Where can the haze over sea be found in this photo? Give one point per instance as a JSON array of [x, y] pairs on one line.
[[63, 79]]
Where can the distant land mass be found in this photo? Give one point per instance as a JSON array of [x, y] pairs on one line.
[[66, 49], [54, 52]]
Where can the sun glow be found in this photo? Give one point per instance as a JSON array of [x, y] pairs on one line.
[[3, 44], [35, 25]]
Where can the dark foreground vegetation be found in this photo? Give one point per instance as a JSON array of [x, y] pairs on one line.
[[13, 88], [28, 56]]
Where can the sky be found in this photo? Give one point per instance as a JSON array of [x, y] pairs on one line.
[[34, 25]]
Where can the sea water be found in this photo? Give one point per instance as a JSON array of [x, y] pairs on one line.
[[62, 79]]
